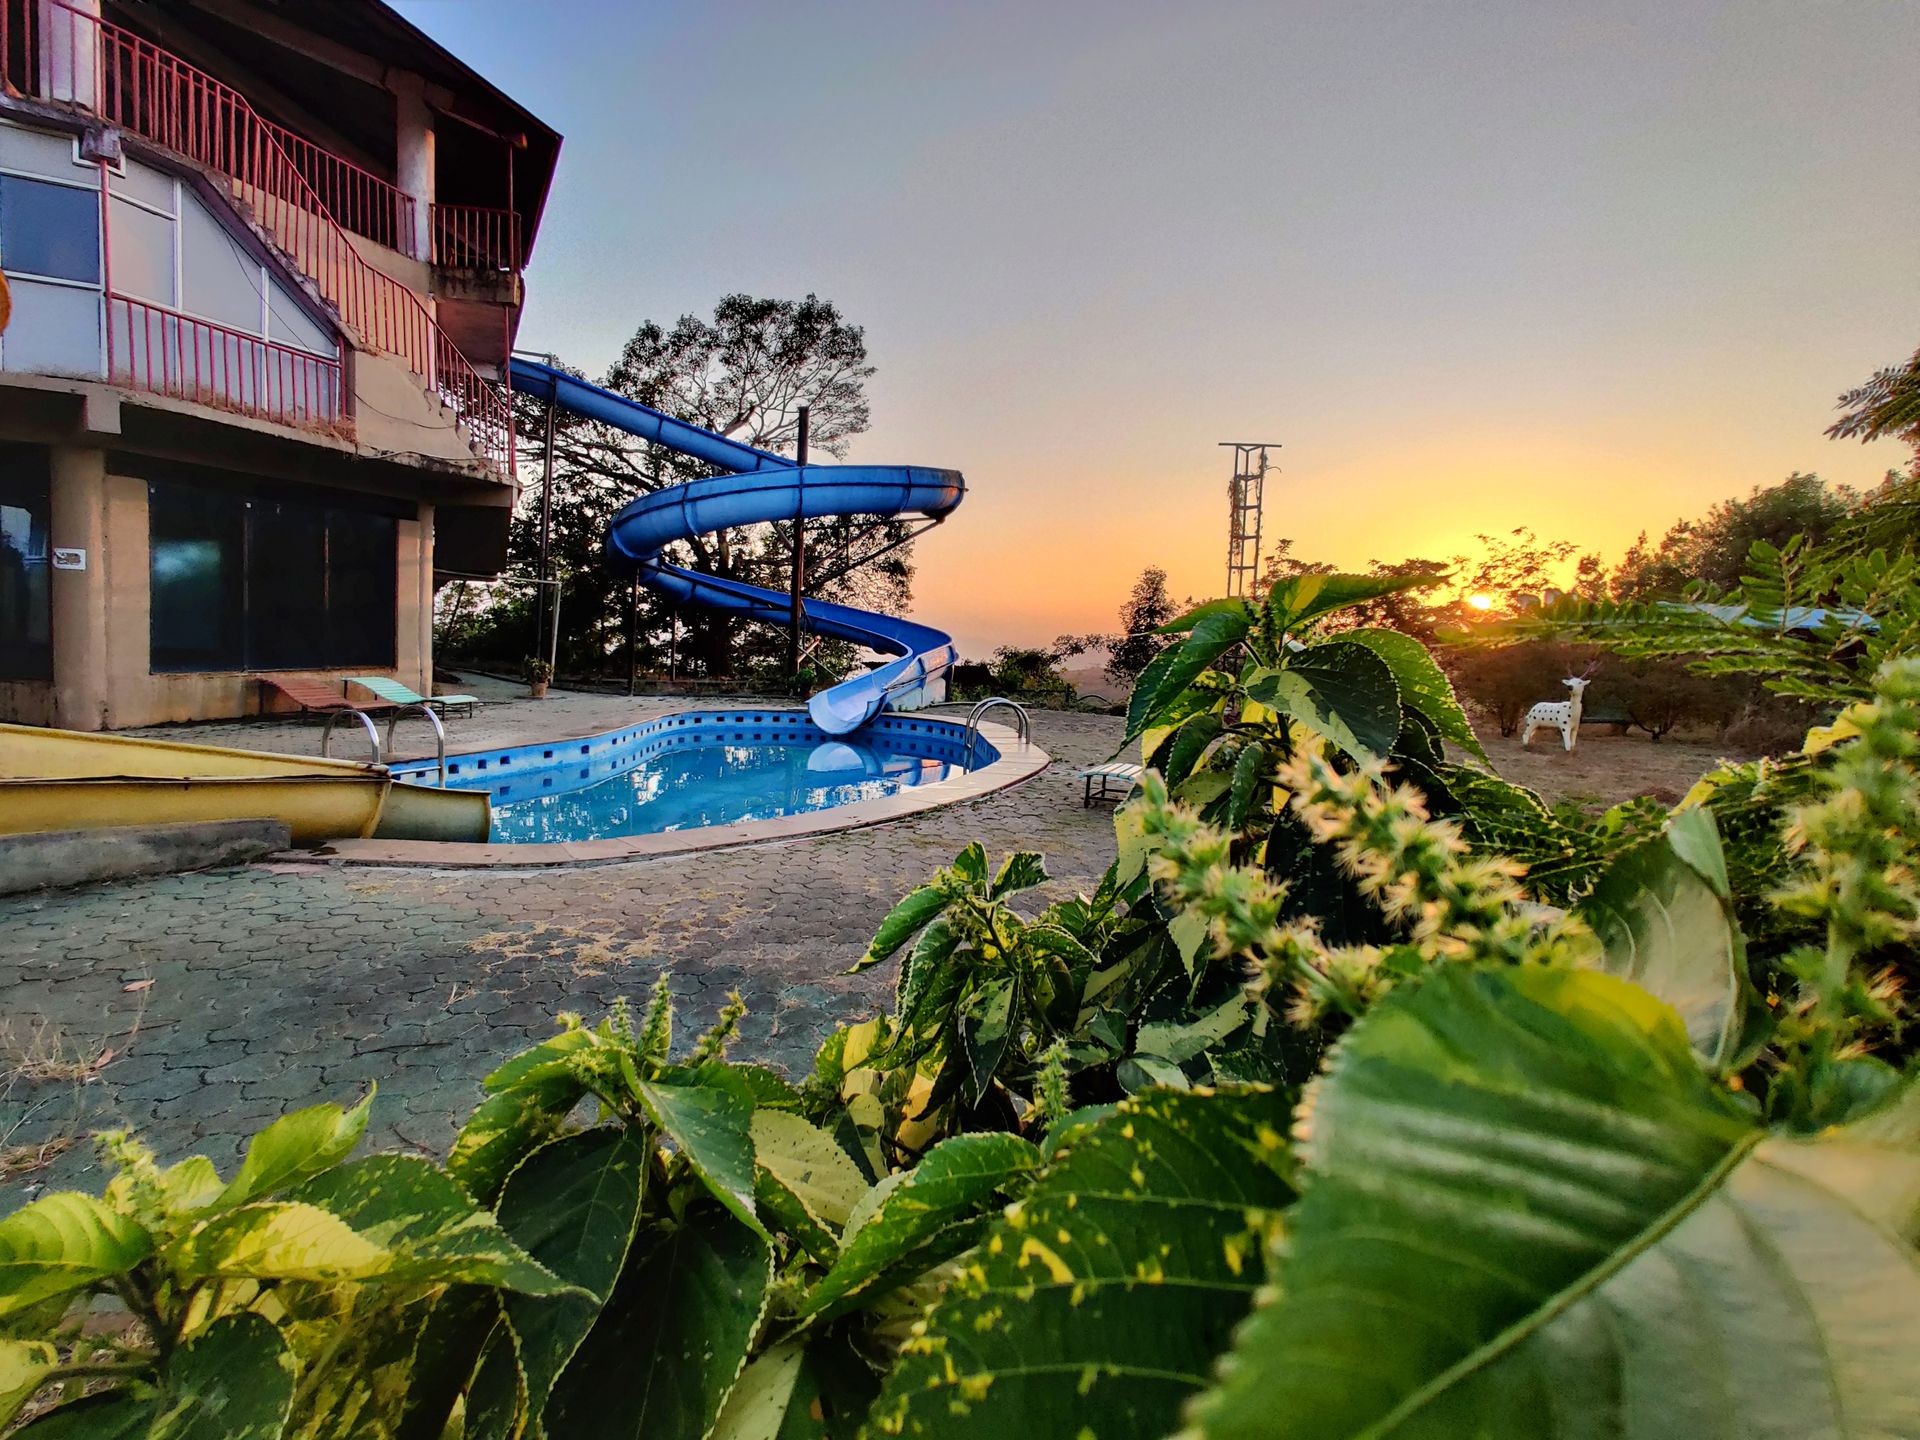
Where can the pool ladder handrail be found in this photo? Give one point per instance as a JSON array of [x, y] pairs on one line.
[[439, 735], [979, 712], [335, 717]]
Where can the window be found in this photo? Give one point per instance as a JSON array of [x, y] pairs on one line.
[[49, 230], [269, 581], [26, 649]]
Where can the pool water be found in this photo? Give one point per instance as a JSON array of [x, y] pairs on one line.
[[690, 770]]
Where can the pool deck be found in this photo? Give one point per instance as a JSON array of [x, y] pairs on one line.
[[222, 999]]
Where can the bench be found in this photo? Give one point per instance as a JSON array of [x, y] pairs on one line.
[[1115, 779]]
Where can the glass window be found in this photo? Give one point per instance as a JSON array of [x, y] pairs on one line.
[[26, 650], [142, 253], [288, 324], [220, 281], [51, 230], [55, 330], [269, 583], [197, 562]]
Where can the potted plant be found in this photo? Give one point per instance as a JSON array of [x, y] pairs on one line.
[[539, 676]]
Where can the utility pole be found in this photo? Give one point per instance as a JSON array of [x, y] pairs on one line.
[[546, 535], [797, 613], [1244, 494]]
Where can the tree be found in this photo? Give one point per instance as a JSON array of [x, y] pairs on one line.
[[744, 373], [1887, 405], [1283, 564], [1713, 549], [1147, 609]]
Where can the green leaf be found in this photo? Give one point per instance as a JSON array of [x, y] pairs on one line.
[[672, 1341], [1178, 1041], [757, 1408], [1140, 1073], [574, 1205], [528, 1099], [296, 1147], [113, 1416], [64, 1242], [1140, 704], [969, 867], [1201, 612], [810, 1164], [1190, 742], [1665, 918], [1340, 690], [1530, 1213], [1301, 599], [391, 1217], [902, 921], [708, 1121], [1100, 1301], [986, 1025], [1023, 870], [1248, 771], [1212, 637], [1423, 684], [922, 1217], [23, 1365], [231, 1381]]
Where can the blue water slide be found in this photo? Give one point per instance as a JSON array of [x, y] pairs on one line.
[[759, 486]]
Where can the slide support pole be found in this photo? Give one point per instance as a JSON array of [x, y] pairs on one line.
[[797, 615]]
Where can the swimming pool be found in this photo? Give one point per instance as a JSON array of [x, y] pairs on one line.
[[698, 769]]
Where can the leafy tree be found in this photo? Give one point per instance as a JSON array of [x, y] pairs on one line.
[[1887, 405], [1147, 609], [1283, 564], [745, 372], [1713, 550]]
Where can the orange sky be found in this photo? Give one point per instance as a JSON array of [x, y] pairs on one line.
[[1583, 267]]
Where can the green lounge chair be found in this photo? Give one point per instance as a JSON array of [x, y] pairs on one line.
[[398, 694]]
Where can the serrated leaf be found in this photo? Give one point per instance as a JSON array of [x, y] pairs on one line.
[[230, 1381], [23, 1365], [113, 1416], [969, 867], [757, 1408], [64, 1242], [573, 1205], [673, 1339], [1190, 742], [1248, 771], [915, 910], [1665, 920], [528, 1099], [1022, 870], [809, 1164], [708, 1122], [1423, 684], [1100, 1301], [986, 1025], [1178, 1041], [923, 1217], [1530, 1213], [1301, 599], [295, 1147], [1140, 707], [1339, 690], [1212, 637]]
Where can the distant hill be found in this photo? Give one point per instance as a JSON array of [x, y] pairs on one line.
[[1092, 680]]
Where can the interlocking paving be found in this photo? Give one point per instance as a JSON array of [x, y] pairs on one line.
[[231, 996]]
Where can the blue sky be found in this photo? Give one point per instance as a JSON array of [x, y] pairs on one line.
[[1586, 268]]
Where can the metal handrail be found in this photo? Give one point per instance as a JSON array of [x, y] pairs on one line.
[[979, 711], [439, 732], [373, 734]]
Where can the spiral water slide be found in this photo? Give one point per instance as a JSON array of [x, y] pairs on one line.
[[758, 487]]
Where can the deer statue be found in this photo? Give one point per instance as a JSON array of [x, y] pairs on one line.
[[1561, 715]]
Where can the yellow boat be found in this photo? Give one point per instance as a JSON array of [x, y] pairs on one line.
[[63, 780]]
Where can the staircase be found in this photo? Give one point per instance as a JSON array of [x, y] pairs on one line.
[[59, 54]]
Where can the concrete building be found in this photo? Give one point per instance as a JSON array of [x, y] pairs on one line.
[[264, 263]]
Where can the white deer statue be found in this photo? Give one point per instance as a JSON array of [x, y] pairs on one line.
[[1561, 715]]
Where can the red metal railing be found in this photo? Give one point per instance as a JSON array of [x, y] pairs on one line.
[[476, 237], [156, 348], [67, 56], [357, 198]]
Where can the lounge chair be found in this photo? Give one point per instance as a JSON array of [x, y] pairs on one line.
[[1116, 780], [317, 697], [395, 693]]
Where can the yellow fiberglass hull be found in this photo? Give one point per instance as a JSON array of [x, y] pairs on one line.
[[62, 780]]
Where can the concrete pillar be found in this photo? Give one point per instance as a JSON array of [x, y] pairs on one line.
[[81, 608], [413, 136]]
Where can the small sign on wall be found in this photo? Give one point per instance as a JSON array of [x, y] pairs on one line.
[[66, 558]]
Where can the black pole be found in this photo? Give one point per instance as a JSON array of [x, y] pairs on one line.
[[633, 636], [546, 535], [797, 614]]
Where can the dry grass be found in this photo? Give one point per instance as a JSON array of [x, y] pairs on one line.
[[43, 1078], [1606, 769]]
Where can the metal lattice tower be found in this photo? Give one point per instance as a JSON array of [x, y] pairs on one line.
[[1244, 493]]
